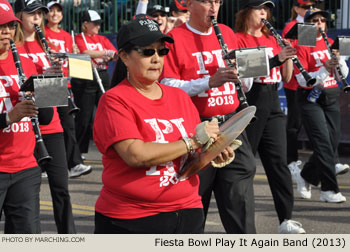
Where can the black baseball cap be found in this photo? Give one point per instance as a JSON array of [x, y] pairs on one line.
[[140, 32], [313, 12], [29, 6], [156, 8], [91, 16], [255, 3]]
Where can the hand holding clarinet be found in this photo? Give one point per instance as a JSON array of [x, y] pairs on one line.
[[27, 108], [55, 63], [309, 80], [333, 63], [228, 74]]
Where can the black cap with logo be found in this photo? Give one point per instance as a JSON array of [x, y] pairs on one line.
[[140, 32], [29, 6], [91, 16]]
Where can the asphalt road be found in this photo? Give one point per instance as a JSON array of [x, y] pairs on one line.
[[316, 217]]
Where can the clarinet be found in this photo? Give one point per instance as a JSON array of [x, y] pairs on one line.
[[342, 78], [73, 109], [240, 93], [43, 155], [309, 80]]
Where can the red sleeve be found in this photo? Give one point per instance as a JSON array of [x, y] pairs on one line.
[[113, 122], [80, 43], [108, 44]]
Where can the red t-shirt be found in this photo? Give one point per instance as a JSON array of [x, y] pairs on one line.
[[129, 192], [95, 43], [272, 48], [195, 56], [33, 51], [293, 83], [313, 58], [17, 140], [63, 42]]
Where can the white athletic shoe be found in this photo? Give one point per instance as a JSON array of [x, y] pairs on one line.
[[332, 197], [44, 174], [341, 168], [290, 227], [294, 169], [79, 170], [303, 187]]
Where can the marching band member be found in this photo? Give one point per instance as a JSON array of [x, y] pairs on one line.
[[146, 131], [64, 43], [290, 89], [267, 135], [160, 16], [87, 93], [20, 176], [321, 119], [195, 65], [31, 14]]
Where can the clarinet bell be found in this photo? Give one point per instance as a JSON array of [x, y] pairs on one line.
[[72, 108], [43, 155], [310, 81], [346, 89]]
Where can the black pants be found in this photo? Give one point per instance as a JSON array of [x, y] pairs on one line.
[[233, 189], [19, 199], [267, 135], [322, 125], [86, 95], [57, 173], [70, 141], [185, 221], [293, 125]]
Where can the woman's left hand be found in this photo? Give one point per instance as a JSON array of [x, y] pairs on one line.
[[336, 53], [286, 53], [225, 155]]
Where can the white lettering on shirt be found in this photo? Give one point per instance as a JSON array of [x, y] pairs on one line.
[[319, 56], [38, 57], [161, 128]]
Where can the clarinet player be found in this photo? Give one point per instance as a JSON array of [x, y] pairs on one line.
[[210, 83], [31, 14], [267, 134], [20, 176], [320, 115], [64, 43]]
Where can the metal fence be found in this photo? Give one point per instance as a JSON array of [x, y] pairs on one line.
[[116, 12]]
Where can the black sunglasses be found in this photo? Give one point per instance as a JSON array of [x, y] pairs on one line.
[[306, 7], [316, 20], [149, 52]]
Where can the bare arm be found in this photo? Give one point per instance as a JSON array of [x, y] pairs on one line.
[[138, 153], [95, 54]]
